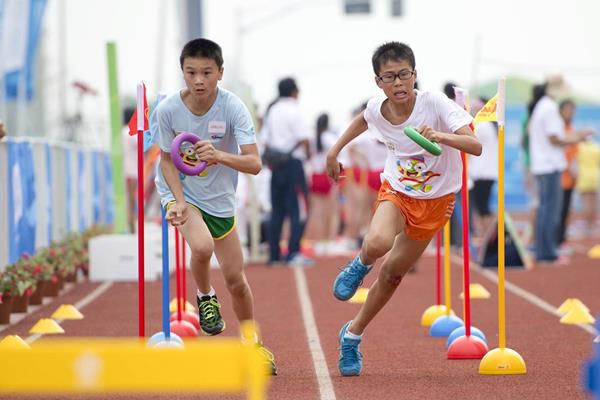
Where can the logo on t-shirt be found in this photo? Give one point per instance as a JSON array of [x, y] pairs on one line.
[[414, 174]]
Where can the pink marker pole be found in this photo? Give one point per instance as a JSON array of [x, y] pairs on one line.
[[140, 192], [178, 273], [438, 268]]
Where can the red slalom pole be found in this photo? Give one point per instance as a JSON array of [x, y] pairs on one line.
[[438, 268], [140, 205], [465, 237], [177, 274], [183, 273]]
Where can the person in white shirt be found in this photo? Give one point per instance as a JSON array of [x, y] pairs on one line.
[[483, 170], [129, 167], [285, 133], [546, 141], [418, 193]]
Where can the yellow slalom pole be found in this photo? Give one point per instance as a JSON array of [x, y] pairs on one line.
[[501, 262], [501, 360], [447, 289]]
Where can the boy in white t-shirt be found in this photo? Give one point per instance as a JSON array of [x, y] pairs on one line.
[[418, 193]]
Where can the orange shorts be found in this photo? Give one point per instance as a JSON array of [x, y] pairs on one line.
[[424, 217]]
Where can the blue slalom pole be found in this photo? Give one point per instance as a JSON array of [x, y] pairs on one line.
[[165, 277]]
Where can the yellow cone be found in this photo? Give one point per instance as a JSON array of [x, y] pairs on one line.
[[360, 296], [46, 325], [594, 252], [502, 361], [569, 304], [188, 306], [578, 315], [67, 311], [477, 291], [432, 313], [14, 342]]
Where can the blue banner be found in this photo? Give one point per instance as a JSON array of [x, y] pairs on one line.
[[109, 199], [31, 15], [81, 189], [68, 189], [48, 151], [96, 192], [21, 201]]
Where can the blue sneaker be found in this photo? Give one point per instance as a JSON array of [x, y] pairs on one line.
[[350, 362], [348, 280]]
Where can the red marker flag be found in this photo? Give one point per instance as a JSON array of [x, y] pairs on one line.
[[133, 126]]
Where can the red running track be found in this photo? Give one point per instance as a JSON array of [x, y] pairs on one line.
[[400, 360]]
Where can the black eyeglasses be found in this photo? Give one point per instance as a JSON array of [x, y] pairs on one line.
[[403, 75]]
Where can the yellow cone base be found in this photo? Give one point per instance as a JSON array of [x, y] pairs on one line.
[[188, 306], [14, 342], [45, 326], [432, 313], [360, 296], [594, 252], [569, 304], [67, 311], [502, 361], [578, 315], [477, 291]]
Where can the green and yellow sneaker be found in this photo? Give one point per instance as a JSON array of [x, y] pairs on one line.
[[209, 310], [269, 358]]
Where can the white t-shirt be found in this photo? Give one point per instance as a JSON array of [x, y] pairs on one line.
[[409, 168], [228, 125], [372, 149], [284, 127], [486, 165], [545, 121], [319, 159]]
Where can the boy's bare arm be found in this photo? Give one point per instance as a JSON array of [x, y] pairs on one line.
[[357, 126], [463, 139], [248, 161], [177, 214]]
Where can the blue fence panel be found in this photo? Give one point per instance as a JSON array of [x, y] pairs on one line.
[[21, 200]]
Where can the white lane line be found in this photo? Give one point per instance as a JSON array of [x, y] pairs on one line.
[[314, 344], [524, 294], [79, 305]]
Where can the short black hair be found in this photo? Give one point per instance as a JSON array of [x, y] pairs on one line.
[[202, 48], [392, 51], [449, 90], [128, 113], [566, 103], [286, 87]]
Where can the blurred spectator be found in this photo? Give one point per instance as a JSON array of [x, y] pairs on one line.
[[546, 139], [569, 175], [588, 161], [455, 223], [530, 184], [483, 170], [129, 167], [324, 213], [2, 130], [286, 135]]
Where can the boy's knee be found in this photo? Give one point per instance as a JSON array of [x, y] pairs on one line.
[[202, 251], [391, 278], [377, 245], [237, 286]]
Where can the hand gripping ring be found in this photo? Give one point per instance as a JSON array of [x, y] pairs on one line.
[[187, 162]]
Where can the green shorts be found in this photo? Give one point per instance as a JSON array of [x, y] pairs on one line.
[[219, 227]]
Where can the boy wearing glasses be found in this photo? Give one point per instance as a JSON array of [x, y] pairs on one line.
[[417, 192]]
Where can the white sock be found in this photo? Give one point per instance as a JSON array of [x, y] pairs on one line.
[[352, 336], [211, 293]]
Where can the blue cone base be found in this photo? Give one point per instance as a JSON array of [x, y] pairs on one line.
[[444, 325], [160, 337], [461, 331]]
